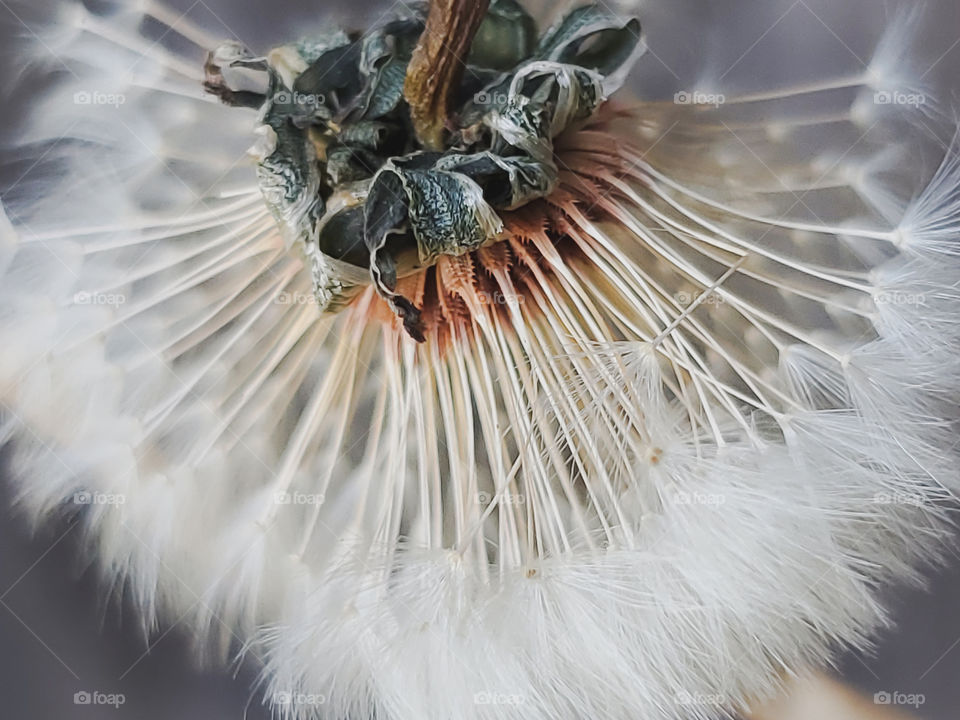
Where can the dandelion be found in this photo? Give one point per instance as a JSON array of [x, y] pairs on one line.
[[479, 389]]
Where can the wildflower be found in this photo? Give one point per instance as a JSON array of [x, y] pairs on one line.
[[568, 407]]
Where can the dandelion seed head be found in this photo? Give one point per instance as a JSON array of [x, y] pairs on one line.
[[680, 406]]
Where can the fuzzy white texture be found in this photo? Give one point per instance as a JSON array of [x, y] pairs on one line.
[[677, 472]]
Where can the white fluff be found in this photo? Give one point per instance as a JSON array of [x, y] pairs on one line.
[[674, 474]]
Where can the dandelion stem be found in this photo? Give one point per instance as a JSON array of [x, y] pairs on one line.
[[437, 65]]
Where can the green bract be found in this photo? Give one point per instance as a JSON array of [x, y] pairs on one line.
[[342, 172]]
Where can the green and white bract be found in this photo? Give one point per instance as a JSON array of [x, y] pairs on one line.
[[341, 171], [663, 444]]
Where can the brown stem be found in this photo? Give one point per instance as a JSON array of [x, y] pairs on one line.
[[437, 65]]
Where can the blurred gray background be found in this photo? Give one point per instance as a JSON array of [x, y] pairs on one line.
[[58, 637]]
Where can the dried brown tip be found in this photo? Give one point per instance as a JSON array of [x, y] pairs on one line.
[[437, 65]]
